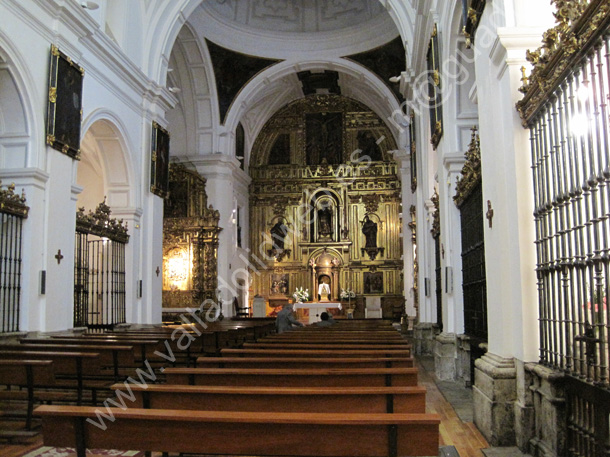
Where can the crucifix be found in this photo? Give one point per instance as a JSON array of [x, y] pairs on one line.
[[490, 213], [58, 256]]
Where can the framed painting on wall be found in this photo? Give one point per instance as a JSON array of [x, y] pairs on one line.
[[64, 109], [159, 161], [373, 282], [279, 284]]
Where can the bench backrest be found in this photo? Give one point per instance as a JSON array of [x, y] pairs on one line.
[[346, 377]]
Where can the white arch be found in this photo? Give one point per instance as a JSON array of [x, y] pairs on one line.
[[33, 120], [377, 95], [114, 147]]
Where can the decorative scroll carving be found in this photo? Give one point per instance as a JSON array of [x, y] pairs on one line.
[[101, 224], [371, 202], [11, 203], [471, 171], [580, 23]]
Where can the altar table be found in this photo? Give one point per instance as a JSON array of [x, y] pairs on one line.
[[316, 308]]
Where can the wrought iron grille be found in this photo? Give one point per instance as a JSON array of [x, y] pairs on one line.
[[474, 283], [10, 271], [571, 172], [13, 211], [565, 106], [439, 283], [99, 291], [81, 280], [99, 269]]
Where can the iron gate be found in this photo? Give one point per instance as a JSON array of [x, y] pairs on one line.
[[474, 283], [12, 213], [99, 270], [570, 138]]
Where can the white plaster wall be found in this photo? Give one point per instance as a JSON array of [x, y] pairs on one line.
[[509, 247]]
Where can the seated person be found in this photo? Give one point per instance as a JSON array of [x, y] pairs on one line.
[[327, 320], [285, 319]]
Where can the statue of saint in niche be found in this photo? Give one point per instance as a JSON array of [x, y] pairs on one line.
[[369, 229], [278, 233], [325, 227]]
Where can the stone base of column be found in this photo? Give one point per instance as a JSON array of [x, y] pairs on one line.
[[424, 335], [494, 394], [445, 357], [548, 399]]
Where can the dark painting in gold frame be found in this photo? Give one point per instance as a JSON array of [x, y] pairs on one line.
[[64, 110], [159, 161]]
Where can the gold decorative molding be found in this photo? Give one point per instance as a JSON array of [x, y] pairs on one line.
[[471, 171], [580, 24], [371, 202], [436, 216], [101, 224], [12, 203], [190, 225]]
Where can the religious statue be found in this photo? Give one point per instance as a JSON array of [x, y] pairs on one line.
[[278, 233], [323, 291], [369, 229], [325, 222]]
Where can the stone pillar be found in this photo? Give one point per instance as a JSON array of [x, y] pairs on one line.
[[494, 394], [445, 357], [549, 411], [424, 335]]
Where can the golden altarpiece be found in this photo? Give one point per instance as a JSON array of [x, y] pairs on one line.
[[325, 206], [190, 244]]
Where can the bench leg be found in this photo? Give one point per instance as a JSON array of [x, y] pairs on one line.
[[79, 431]]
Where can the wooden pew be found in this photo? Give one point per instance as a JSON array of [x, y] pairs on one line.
[[320, 377], [330, 339], [115, 357], [401, 400], [32, 375], [315, 353], [275, 433], [339, 346], [144, 348], [305, 362], [72, 369]]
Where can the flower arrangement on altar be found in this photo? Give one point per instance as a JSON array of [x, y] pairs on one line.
[[301, 295], [347, 294]]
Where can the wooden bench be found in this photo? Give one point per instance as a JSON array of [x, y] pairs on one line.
[[315, 353], [320, 377], [305, 362], [260, 433], [31, 375], [114, 357], [404, 400], [404, 346], [144, 349], [73, 370]]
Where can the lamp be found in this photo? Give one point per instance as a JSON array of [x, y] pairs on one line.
[[395, 79], [89, 5], [174, 89]]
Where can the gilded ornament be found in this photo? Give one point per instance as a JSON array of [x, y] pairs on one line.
[[53, 94], [576, 32], [12, 203], [471, 170]]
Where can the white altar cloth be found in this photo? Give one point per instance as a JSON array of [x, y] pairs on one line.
[[316, 308]]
